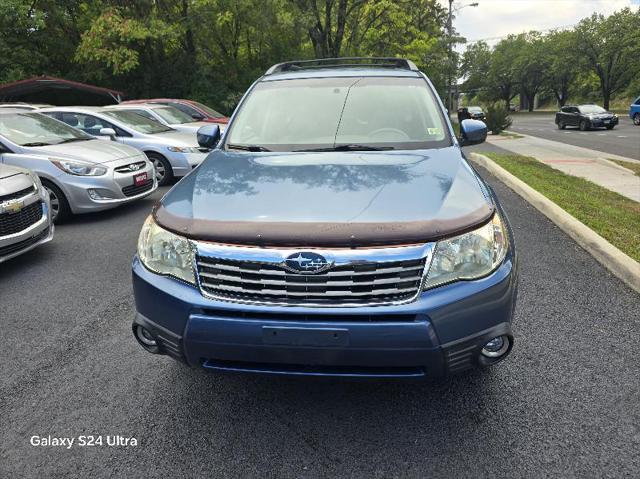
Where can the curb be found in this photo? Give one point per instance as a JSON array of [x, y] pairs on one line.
[[621, 265]]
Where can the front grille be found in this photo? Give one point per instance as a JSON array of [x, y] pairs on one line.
[[17, 194], [138, 165], [358, 283], [11, 223], [133, 190], [15, 247]]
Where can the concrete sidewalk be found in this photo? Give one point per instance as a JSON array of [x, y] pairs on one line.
[[573, 160]]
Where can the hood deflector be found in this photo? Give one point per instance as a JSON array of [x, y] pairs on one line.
[[307, 234]]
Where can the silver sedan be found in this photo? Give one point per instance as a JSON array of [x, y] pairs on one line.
[[81, 173]]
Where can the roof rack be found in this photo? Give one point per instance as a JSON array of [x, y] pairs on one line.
[[345, 62]]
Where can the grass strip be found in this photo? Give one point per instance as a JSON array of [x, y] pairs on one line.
[[613, 216]]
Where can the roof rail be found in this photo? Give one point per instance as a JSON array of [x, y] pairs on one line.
[[344, 62]]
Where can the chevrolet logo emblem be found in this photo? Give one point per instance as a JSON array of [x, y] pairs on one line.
[[13, 206]]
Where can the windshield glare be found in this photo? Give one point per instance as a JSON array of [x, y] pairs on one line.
[[592, 109], [35, 129], [210, 111], [383, 112], [172, 115], [137, 121]]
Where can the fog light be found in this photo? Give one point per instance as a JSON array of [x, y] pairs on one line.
[[496, 347], [145, 337], [100, 194]]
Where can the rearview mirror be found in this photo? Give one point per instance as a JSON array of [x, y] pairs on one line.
[[208, 136], [110, 132], [472, 132]]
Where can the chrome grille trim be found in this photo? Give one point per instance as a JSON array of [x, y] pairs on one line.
[[357, 277]]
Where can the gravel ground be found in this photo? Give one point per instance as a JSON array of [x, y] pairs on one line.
[[564, 405]]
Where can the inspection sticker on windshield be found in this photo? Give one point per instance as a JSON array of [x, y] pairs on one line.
[[434, 131]]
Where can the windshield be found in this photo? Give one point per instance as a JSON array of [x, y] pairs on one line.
[[35, 129], [475, 109], [210, 111], [591, 109], [172, 115], [366, 112], [137, 122]]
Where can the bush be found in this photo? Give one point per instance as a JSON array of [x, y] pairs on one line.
[[498, 118]]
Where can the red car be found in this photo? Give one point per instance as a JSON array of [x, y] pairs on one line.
[[196, 110]]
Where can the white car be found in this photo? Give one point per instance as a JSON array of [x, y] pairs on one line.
[[81, 173], [173, 153], [165, 114]]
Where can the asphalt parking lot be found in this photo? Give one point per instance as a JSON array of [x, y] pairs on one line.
[[623, 140], [564, 404]]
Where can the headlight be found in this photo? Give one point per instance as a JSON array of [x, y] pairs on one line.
[[468, 256], [165, 253], [78, 168], [183, 149]]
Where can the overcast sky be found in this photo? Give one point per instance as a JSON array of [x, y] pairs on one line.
[[497, 18]]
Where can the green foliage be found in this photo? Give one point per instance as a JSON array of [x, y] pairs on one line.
[[498, 118], [595, 61]]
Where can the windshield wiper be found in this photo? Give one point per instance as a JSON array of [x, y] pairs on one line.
[[36, 143], [350, 147], [231, 146], [70, 140]]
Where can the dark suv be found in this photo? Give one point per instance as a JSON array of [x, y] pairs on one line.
[[585, 117], [335, 230]]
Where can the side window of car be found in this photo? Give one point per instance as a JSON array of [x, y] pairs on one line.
[[565, 109], [185, 108], [145, 113]]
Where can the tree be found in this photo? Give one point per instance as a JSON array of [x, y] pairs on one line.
[[475, 67], [610, 47], [531, 65], [503, 75], [563, 66]]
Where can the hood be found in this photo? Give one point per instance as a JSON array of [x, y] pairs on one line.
[[95, 151], [327, 199], [13, 179], [176, 138], [6, 171]]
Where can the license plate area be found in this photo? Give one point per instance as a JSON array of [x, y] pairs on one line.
[[140, 179], [322, 337]]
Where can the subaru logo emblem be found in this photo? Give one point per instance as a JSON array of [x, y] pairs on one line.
[[306, 262]]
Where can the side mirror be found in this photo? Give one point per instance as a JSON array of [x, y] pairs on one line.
[[208, 136], [197, 116], [472, 132], [110, 132]]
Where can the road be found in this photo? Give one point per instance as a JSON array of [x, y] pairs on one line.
[[563, 405], [623, 140]]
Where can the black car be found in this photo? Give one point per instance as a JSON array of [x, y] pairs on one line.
[[471, 112], [585, 117]]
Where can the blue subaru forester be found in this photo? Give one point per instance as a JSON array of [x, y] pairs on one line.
[[335, 230]]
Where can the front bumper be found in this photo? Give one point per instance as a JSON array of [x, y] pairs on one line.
[[183, 163], [602, 122], [441, 332], [29, 238], [111, 186]]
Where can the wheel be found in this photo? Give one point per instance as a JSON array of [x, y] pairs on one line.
[[609, 127], [561, 125], [164, 172], [583, 125], [636, 119], [60, 209]]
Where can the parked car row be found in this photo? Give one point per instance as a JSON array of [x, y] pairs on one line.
[[58, 161]]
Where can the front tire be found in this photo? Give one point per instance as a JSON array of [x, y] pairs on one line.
[[561, 125], [636, 119], [162, 167], [583, 125], [609, 127], [60, 209]]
